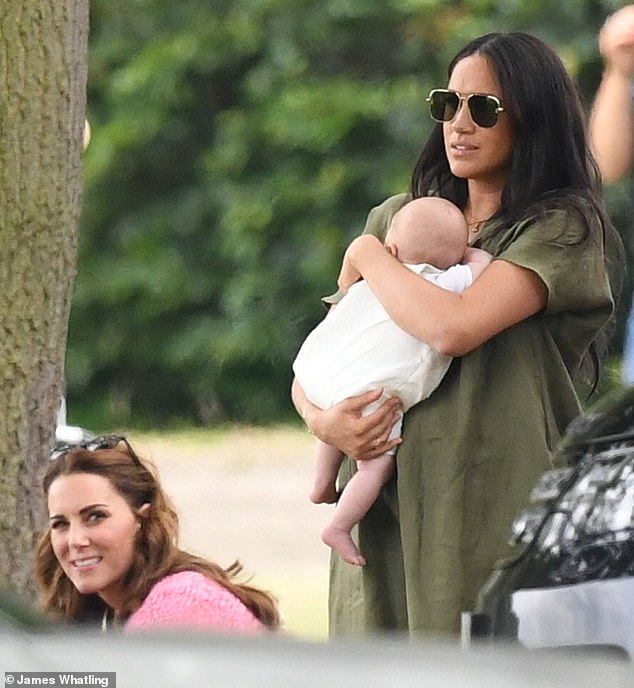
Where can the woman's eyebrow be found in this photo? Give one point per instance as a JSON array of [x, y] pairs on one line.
[[88, 507], [82, 511]]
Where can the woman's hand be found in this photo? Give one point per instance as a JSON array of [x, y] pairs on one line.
[[350, 269], [359, 436], [344, 426], [616, 41]]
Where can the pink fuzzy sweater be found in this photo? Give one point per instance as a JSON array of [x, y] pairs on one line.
[[190, 600]]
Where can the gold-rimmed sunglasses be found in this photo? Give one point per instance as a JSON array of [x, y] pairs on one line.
[[484, 108]]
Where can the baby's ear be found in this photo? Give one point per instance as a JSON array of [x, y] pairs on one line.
[[392, 250], [143, 510]]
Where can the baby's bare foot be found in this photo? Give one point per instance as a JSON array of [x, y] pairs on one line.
[[324, 493], [341, 541]]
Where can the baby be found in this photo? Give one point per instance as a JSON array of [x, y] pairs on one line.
[[357, 348]]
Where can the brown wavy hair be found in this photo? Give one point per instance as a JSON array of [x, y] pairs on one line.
[[157, 552]]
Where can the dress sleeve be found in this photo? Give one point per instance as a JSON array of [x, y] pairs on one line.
[[569, 259], [380, 216]]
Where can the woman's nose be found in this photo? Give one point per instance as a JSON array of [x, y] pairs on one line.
[[462, 120], [77, 536]]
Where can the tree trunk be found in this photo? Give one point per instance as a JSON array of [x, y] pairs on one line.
[[43, 63]]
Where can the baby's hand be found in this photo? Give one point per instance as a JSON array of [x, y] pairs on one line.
[[477, 259]]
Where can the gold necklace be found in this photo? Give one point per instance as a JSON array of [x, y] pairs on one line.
[[475, 225]]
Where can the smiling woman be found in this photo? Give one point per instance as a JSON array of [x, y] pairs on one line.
[[110, 552], [93, 534]]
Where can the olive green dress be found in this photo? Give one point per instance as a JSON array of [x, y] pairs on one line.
[[472, 451]]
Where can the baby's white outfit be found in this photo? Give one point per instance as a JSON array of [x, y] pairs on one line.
[[357, 348]]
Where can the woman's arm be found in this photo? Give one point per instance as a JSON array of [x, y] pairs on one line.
[[612, 118], [344, 426], [454, 324], [612, 126]]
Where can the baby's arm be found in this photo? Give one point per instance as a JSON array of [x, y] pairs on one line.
[[477, 259]]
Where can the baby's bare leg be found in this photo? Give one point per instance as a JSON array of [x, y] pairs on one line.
[[328, 461], [355, 501]]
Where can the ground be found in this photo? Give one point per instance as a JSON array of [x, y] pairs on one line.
[[243, 494]]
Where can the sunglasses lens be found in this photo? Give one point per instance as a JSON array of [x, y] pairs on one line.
[[483, 110], [443, 105]]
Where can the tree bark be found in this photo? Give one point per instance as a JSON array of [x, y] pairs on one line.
[[43, 66]]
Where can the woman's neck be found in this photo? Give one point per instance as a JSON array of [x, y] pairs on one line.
[[114, 603], [482, 205], [483, 201]]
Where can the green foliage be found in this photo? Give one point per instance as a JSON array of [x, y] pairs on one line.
[[236, 149]]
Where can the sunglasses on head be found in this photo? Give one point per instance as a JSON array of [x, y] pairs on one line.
[[483, 107], [95, 443]]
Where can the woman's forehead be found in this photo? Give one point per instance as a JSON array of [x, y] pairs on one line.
[[474, 74], [72, 493]]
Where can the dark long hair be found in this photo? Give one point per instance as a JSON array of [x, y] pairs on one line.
[[551, 166], [157, 553]]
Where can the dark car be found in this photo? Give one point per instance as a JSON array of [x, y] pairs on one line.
[[572, 582]]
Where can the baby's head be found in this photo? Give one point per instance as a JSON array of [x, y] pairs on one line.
[[429, 230]]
